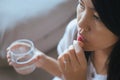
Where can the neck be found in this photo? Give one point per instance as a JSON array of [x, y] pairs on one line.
[[99, 59]]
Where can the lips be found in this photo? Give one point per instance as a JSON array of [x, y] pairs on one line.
[[80, 38]]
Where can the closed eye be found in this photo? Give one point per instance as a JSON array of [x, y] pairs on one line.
[[96, 16], [81, 4]]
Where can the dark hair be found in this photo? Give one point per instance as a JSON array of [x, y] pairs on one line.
[[114, 63], [109, 12]]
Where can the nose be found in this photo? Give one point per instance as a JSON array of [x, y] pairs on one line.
[[83, 20]]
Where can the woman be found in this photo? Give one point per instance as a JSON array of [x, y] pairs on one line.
[[98, 32], [98, 26]]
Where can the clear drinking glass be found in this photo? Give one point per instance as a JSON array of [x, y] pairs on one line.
[[22, 52]]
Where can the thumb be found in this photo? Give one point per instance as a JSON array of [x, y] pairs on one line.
[[80, 52]]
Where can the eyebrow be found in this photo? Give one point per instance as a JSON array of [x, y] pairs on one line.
[[81, 1]]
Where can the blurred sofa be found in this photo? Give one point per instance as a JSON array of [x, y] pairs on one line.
[[42, 21]]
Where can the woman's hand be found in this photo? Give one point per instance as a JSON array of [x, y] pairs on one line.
[[73, 63], [37, 58], [42, 61]]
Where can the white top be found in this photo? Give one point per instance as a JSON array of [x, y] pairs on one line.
[[92, 75], [67, 40]]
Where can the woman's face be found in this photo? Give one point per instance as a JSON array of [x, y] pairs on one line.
[[94, 33]]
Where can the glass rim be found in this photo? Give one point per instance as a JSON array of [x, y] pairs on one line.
[[24, 40]]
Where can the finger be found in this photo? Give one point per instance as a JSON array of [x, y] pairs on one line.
[[80, 53], [10, 63], [66, 60], [9, 57], [73, 58], [67, 63], [9, 60], [8, 54], [61, 63], [39, 55]]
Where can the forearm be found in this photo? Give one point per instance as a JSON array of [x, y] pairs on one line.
[[50, 65]]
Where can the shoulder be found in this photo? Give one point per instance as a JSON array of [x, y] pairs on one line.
[[71, 25], [68, 36]]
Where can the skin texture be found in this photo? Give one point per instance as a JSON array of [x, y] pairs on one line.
[[41, 61], [95, 33], [95, 37], [73, 62]]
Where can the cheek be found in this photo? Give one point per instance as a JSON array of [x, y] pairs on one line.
[[110, 40], [99, 41], [103, 41]]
